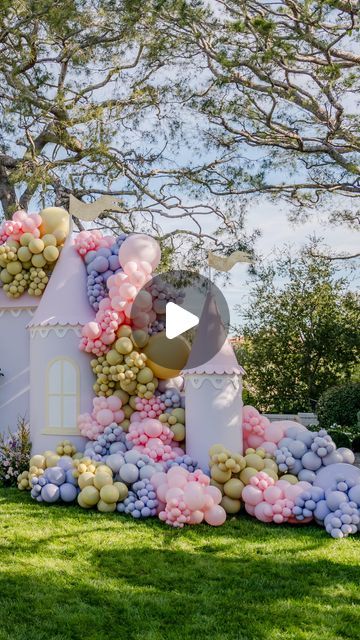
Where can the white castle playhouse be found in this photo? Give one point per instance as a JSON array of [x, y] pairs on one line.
[[47, 379]]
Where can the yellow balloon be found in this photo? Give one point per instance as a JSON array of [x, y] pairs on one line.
[[55, 221], [90, 496], [230, 504], [233, 488], [109, 494], [51, 253], [37, 461], [86, 479], [219, 475], [101, 479], [159, 345], [51, 461], [105, 507], [289, 478]]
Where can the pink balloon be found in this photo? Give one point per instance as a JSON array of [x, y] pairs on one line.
[[250, 509], [194, 496], [215, 516], [208, 502], [130, 267], [104, 417], [158, 478], [127, 291], [91, 330], [177, 480], [174, 493], [263, 512], [196, 517], [152, 428], [255, 441], [215, 493], [272, 494], [140, 247], [114, 403], [274, 432], [252, 495], [161, 491]]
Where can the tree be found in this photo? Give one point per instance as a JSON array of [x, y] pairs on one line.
[[278, 84], [300, 333], [83, 112]]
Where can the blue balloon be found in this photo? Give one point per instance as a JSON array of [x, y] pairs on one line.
[[68, 492]]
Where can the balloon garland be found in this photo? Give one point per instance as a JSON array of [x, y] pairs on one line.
[[133, 463], [30, 245]]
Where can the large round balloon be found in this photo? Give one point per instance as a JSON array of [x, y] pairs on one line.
[[178, 349], [55, 221], [328, 477], [140, 248]]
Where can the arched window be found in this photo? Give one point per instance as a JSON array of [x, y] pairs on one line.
[[63, 396]]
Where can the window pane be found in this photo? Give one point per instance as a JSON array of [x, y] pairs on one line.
[[69, 412], [69, 377], [54, 412], [55, 377]]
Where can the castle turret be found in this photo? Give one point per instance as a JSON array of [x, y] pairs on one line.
[[213, 390], [60, 376]]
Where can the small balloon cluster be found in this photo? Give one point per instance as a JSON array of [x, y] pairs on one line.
[[124, 367], [112, 440], [147, 408], [271, 501], [184, 461], [161, 293], [100, 265], [105, 412], [175, 419], [131, 266], [303, 453], [187, 498], [141, 501], [30, 245], [154, 439], [56, 483]]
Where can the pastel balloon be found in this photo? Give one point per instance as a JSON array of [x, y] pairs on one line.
[[274, 432], [215, 493], [68, 492], [140, 247], [196, 517], [194, 496], [215, 516]]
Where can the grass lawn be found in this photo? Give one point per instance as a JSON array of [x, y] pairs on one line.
[[70, 574]]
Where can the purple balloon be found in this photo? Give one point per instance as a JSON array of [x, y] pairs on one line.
[[68, 492], [50, 493], [100, 264], [55, 475]]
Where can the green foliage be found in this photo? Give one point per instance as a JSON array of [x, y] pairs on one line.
[[67, 573], [15, 451], [300, 334], [339, 404]]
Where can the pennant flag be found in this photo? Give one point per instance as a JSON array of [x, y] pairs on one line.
[[225, 263]]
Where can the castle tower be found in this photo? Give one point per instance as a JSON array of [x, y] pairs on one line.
[[61, 380], [213, 390]]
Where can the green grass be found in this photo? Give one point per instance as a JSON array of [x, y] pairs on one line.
[[69, 574]]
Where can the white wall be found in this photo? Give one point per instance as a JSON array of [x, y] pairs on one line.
[[46, 345], [14, 363]]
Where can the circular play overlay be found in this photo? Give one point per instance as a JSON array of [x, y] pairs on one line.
[[191, 315]]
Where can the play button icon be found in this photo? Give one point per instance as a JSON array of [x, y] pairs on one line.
[[178, 320], [179, 317]]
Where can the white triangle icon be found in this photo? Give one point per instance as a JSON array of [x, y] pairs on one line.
[[178, 320]]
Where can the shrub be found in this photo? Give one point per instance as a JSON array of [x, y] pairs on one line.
[[341, 438], [14, 453], [339, 404]]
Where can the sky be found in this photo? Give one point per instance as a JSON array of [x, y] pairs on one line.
[[277, 231]]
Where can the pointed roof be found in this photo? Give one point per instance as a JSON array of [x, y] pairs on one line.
[[64, 300], [211, 330]]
